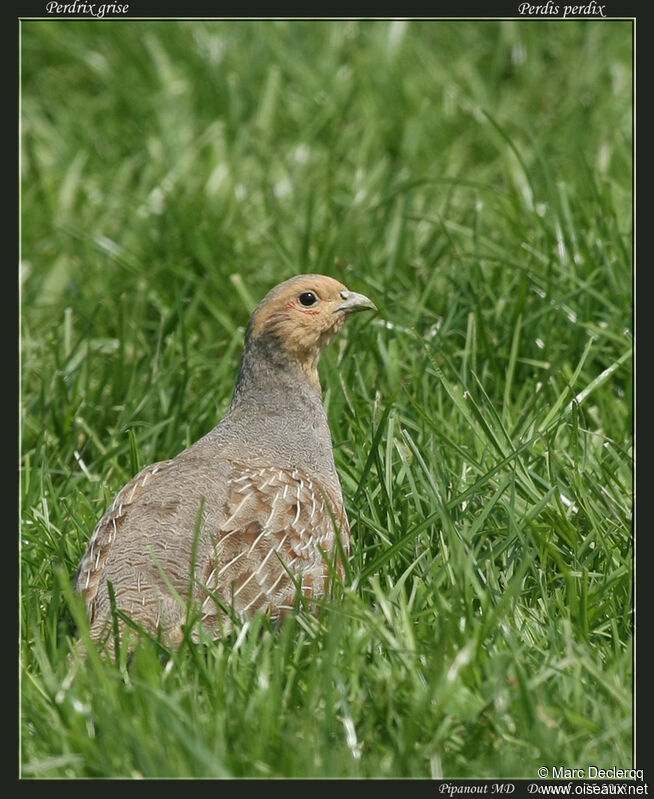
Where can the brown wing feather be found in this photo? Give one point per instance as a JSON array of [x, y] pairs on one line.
[[279, 531], [264, 531]]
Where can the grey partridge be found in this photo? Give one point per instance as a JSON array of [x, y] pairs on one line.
[[249, 515]]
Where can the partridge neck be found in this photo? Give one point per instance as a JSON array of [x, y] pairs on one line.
[[270, 380], [275, 415]]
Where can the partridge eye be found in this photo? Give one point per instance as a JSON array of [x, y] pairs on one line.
[[308, 298]]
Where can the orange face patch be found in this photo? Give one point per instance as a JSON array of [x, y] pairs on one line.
[[302, 339], [276, 312]]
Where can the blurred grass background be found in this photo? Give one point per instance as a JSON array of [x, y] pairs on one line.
[[474, 178]]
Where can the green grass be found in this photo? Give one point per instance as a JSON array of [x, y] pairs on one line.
[[474, 179]]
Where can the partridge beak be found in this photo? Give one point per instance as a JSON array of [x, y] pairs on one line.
[[355, 302]]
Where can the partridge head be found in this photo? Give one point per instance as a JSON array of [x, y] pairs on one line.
[[250, 514]]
